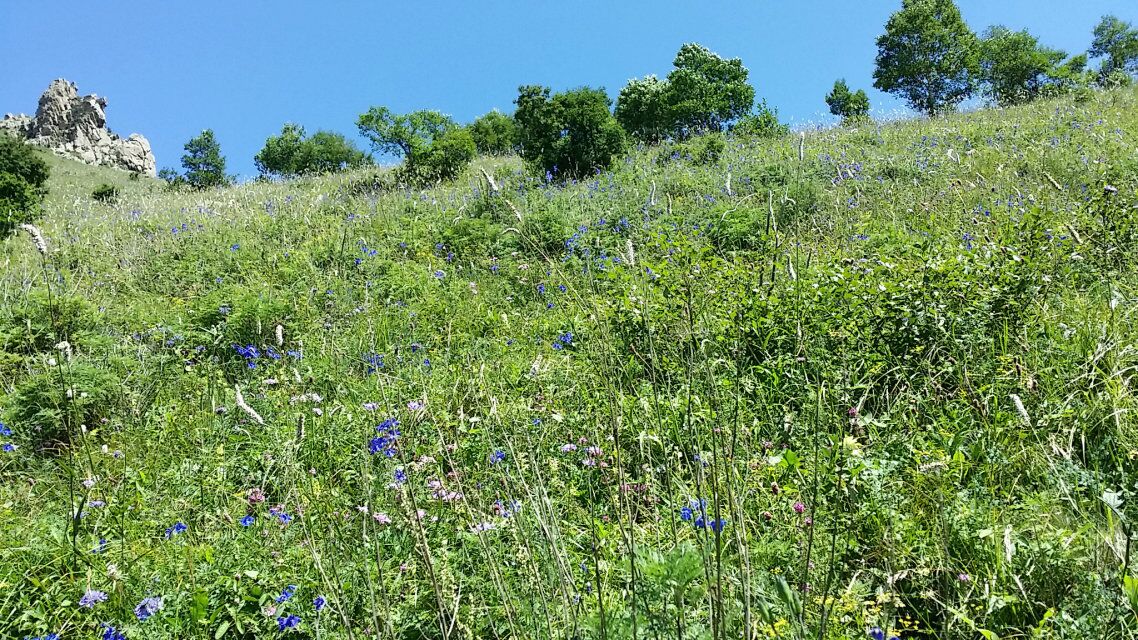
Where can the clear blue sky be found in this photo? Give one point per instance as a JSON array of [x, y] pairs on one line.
[[245, 67]]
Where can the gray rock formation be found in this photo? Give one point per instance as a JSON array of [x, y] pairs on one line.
[[76, 127]]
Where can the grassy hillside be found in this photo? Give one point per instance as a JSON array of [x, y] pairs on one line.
[[794, 388]]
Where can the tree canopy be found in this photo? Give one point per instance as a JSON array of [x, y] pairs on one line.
[[927, 56], [1014, 67], [203, 162], [570, 134], [292, 154], [401, 134], [849, 105]]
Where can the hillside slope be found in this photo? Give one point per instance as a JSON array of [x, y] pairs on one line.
[[876, 377]]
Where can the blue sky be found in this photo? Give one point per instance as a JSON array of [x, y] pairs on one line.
[[244, 68]]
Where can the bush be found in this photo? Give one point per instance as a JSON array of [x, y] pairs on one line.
[[570, 135], [494, 134], [23, 176], [763, 123], [544, 232], [850, 106], [106, 193], [290, 154], [444, 159]]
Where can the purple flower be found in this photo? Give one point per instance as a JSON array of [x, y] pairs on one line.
[[147, 608], [799, 507], [319, 602], [92, 598], [286, 594], [287, 622]]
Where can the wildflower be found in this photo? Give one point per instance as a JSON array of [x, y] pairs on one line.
[[4, 430], [799, 507], [286, 594], [284, 518], [400, 476], [481, 526], [876, 633], [92, 598], [8, 447], [415, 405], [318, 602], [248, 520], [440, 274], [101, 547], [963, 577], [147, 608], [287, 622], [175, 529], [110, 633], [370, 406], [256, 496], [497, 457], [381, 518], [37, 237], [717, 525], [686, 514], [568, 448]]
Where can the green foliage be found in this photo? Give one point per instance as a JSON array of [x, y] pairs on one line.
[[403, 135], [907, 66], [444, 159], [1117, 41], [105, 193], [703, 93], [643, 111], [203, 163], [23, 179], [571, 135], [850, 106], [762, 123], [1014, 67], [291, 154], [706, 92], [494, 134]]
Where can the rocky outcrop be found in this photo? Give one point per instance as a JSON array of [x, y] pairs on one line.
[[76, 127]]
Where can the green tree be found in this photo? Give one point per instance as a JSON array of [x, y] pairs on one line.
[[402, 134], [494, 133], [292, 154], [23, 180], [203, 162], [1014, 67], [927, 56], [443, 159], [1117, 41], [706, 92], [642, 109], [569, 135], [849, 105]]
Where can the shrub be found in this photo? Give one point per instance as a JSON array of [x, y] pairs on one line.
[[23, 176], [544, 231], [494, 134], [763, 123], [570, 135], [106, 193], [443, 159], [850, 106], [290, 154]]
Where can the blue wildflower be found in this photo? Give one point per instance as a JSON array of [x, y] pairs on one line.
[[92, 598], [876, 633], [101, 547], [285, 595], [147, 608], [8, 446], [440, 274], [4, 430], [318, 602], [497, 457], [248, 520], [287, 622], [686, 514], [400, 476], [175, 529], [110, 633]]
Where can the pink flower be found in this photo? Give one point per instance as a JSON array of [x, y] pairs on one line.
[[568, 448], [799, 507], [381, 518]]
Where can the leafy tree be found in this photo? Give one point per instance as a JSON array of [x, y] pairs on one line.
[[849, 105], [927, 56], [571, 134], [494, 133], [203, 162], [1014, 67], [402, 135], [643, 111], [23, 176], [1117, 41], [706, 92], [762, 123], [291, 154], [444, 158]]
